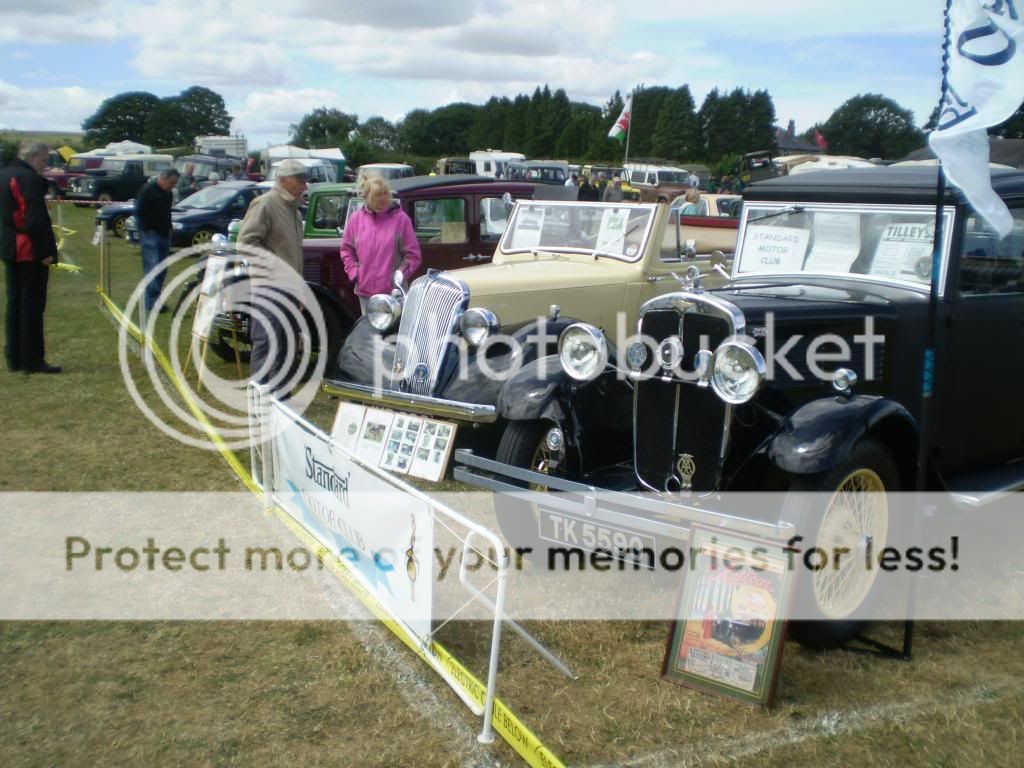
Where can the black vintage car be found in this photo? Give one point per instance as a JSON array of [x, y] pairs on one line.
[[805, 372]]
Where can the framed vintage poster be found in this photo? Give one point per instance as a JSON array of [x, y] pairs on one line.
[[730, 622]]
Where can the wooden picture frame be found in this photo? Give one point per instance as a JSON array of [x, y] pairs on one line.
[[730, 620]]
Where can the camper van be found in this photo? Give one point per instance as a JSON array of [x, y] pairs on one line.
[[492, 162]]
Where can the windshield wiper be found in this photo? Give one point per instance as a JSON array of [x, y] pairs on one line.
[[614, 255], [780, 212]]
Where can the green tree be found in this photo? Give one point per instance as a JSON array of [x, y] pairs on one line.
[[488, 129], [871, 125], [202, 113], [414, 132], [119, 118], [379, 134], [165, 125], [675, 132], [515, 129], [601, 148], [647, 103], [449, 130], [323, 127]]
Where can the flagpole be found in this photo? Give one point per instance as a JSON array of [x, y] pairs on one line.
[[928, 361], [629, 124]]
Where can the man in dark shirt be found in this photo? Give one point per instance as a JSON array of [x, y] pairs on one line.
[[153, 216], [27, 248]]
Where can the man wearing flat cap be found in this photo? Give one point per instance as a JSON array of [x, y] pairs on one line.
[[273, 223]]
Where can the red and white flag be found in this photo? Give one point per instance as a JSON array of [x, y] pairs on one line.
[[621, 127], [820, 140], [986, 87]]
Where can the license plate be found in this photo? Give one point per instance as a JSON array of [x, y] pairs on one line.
[[592, 535]]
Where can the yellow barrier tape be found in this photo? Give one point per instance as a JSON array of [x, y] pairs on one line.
[[505, 723], [60, 266]]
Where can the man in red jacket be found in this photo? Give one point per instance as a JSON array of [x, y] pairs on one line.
[[27, 248]]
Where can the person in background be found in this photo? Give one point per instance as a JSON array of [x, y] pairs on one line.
[[692, 205], [572, 181], [186, 182], [273, 223], [613, 192], [693, 180], [587, 191], [236, 174], [153, 215], [27, 248], [379, 238], [600, 185], [211, 180]]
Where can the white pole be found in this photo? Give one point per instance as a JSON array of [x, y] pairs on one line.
[[629, 125]]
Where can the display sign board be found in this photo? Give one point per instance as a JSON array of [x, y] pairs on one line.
[[382, 533], [729, 628], [774, 249]]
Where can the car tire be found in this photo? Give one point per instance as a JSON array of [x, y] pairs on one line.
[[118, 225], [869, 469], [522, 445], [202, 237], [105, 198]]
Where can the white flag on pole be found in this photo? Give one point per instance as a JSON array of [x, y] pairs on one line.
[[986, 86]]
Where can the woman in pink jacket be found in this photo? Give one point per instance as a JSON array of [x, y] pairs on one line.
[[378, 239]]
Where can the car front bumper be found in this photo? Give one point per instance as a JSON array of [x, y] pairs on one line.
[[474, 413]]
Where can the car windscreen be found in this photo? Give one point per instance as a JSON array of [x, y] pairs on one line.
[[890, 243], [603, 229], [113, 167], [209, 198], [200, 169]]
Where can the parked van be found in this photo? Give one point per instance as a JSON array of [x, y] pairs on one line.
[[492, 162], [386, 170], [657, 183], [448, 166], [318, 170]]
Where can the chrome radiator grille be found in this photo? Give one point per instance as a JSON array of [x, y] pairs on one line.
[[429, 317]]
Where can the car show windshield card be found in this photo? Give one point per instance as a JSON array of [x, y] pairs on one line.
[[905, 251], [611, 237], [836, 242], [373, 435], [433, 450], [398, 452], [347, 423], [774, 249], [729, 626], [529, 225]]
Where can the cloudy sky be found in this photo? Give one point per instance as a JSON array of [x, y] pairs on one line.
[[275, 61]]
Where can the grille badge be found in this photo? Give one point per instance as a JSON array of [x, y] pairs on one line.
[[687, 468], [421, 373]]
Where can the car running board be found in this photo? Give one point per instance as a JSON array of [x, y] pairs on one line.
[[976, 489]]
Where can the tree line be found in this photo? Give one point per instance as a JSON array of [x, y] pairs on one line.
[[666, 122]]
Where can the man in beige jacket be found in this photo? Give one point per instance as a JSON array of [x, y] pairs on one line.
[[274, 224]]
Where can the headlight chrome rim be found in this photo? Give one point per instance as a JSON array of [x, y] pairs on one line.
[[582, 332], [670, 353], [477, 325], [383, 311], [756, 365]]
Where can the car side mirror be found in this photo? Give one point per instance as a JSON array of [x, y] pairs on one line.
[[718, 259]]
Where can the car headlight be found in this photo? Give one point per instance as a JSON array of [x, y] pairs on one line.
[[737, 371], [477, 324], [383, 311], [582, 351]]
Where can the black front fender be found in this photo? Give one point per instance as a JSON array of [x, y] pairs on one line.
[[822, 433], [532, 392]]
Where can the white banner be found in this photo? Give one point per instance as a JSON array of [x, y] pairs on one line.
[[986, 86], [383, 534]]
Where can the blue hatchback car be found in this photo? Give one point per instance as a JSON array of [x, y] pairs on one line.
[[206, 213]]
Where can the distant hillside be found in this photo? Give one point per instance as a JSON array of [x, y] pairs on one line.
[[52, 138]]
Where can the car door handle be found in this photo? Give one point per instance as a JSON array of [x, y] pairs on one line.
[[473, 257]]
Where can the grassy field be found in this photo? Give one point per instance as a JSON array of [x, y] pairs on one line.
[[347, 693]]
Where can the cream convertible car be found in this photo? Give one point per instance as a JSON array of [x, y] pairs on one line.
[[478, 349]]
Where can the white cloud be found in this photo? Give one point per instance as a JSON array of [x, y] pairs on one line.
[[56, 109], [20, 55], [267, 116]]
